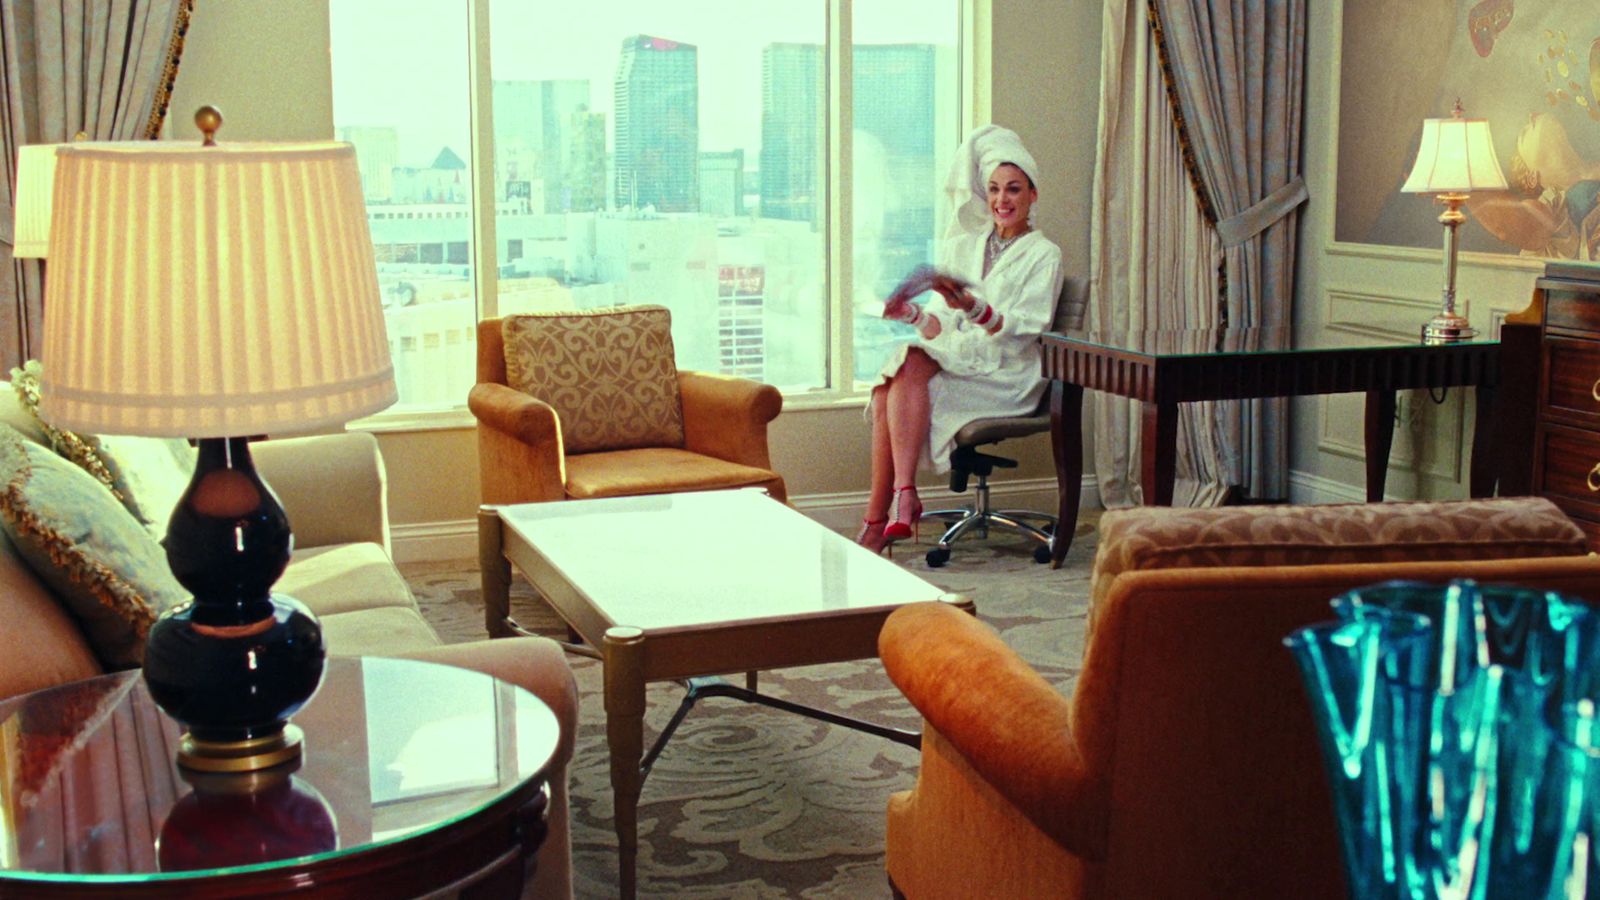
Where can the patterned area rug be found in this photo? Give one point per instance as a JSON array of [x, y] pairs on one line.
[[748, 802]]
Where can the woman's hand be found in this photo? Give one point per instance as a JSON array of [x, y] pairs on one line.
[[953, 290], [899, 308]]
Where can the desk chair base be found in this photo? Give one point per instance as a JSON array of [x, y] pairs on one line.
[[980, 517]]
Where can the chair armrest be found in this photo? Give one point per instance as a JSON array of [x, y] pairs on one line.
[[727, 417], [538, 666], [1009, 724], [332, 486], [520, 456]]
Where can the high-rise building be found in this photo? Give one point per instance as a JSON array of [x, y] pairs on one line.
[[377, 154], [722, 183], [893, 86], [894, 102], [584, 159], [793, 114], [531, 119], [657, 125]]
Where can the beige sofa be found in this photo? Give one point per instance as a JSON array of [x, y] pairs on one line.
[[334, 490]]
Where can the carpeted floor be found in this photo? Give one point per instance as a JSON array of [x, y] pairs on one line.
[[748, 802]]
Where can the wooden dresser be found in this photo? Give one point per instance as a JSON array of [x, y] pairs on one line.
[[1566, 428]]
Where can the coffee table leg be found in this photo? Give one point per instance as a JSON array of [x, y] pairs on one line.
[[623, 655], [495, 571]]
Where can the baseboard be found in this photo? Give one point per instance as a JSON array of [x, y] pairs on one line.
[[1306, 488], [434, 541], [453, 540], [843, 510]]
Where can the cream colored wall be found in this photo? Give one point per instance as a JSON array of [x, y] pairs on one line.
[[1351, 294], [265, 63]]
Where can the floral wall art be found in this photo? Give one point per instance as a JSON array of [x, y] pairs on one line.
[[1531, 68]]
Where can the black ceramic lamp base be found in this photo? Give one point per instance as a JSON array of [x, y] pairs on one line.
[[241, 820], [237, 661]]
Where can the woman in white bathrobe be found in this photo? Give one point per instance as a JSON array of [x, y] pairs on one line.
[[976, 354]]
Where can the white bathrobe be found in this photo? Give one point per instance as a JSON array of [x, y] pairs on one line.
[[983, 375]]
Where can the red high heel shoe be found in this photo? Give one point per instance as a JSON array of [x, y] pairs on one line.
[[904, 515], [871, 534]]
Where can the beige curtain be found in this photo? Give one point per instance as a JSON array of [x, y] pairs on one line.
[[101, 67], [1192, 237], [1237, 69], [1153, 259]]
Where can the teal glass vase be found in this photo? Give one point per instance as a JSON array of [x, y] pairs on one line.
[[1456, 723]]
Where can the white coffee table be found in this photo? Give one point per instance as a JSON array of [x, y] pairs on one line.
[[680, 586]]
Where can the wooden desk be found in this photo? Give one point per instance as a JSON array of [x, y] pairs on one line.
[[1169, 369]]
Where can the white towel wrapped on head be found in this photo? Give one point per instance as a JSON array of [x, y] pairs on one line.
[[967, 186]]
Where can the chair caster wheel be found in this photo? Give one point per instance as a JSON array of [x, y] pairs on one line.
[[938, 556], [1041, 554]]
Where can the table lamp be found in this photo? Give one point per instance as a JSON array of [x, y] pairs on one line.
[[1456, 158], [36, 173], [217, 292]]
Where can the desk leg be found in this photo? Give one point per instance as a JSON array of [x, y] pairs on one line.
[[1158, 452], [1379, 438], [623, 654], [495, 570], [1486, 463], [1066, 443]]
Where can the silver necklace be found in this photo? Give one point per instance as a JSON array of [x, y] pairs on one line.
[[997, 245]]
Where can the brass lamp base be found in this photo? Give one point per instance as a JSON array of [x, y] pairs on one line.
[[1447, 328], [240, 756]]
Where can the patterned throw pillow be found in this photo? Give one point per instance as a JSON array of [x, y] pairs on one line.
[[150, 474], [608, 373], [97, 558], [147, 474]]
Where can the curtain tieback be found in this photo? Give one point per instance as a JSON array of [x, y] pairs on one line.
[[1236, 229]]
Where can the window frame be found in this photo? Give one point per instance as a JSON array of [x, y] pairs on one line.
[[973, 58]]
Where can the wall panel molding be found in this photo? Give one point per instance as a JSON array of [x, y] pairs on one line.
[[1429, 438]]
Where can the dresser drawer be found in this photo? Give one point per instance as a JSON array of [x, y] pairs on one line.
[[1572, 310], [1569, 469], [1572, 385], [1591, 530]]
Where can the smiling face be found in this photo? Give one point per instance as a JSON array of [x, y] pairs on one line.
[[1011, 195]]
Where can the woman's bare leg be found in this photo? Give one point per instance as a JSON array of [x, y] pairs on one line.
[[882, 487], [909, 411]]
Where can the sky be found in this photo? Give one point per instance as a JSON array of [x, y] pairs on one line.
[[405, 64]]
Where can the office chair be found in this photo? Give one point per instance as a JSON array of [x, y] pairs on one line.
[[967, 461]]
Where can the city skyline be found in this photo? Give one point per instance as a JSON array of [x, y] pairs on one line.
[[430, 36], [735, 242]]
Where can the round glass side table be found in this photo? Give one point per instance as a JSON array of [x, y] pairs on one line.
[[416, 778]]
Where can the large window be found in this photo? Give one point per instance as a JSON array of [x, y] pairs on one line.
[[648, 151]]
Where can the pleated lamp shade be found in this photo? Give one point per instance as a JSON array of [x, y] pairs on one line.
[[1455, 156], [36, 172], [211, 291]]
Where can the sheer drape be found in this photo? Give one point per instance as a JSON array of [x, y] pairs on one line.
[[101, 67], [1189, 244]]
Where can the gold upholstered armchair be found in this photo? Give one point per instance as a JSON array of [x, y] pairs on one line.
[[590, 403], [1185, 762]]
